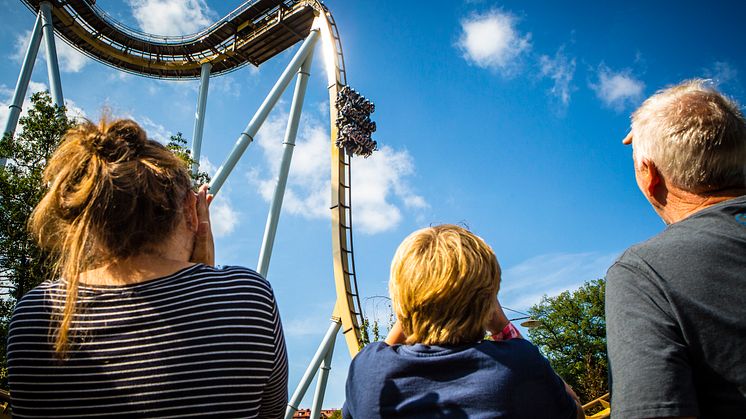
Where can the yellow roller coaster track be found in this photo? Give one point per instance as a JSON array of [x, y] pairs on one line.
[[253, 33]]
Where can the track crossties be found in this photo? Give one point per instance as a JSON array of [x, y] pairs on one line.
[[252, 34]]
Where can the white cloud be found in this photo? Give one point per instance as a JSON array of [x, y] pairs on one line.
[[379, 182], [223, 215], [491, 40], [172, 17], [36, 87], [155, 130], [205, 165], [118, 75], [69, 59], [617, 89], [524, 284], [721, 73], [561, 70], [303, 327], [226, 85], [374, 180], [74, 111]]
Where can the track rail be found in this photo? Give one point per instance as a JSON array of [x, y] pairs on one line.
[[348, 307]]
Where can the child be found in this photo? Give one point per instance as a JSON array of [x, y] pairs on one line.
[[443, 285]]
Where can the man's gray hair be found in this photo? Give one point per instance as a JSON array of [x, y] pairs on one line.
[[694, 135]]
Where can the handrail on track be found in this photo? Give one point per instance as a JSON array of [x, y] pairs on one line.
[[179, 39]]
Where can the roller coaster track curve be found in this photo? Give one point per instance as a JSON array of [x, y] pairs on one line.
[[251, 34]]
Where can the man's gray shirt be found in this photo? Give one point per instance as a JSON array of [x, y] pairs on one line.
[[676, 319]]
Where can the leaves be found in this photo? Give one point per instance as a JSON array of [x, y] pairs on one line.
[[178, 145], [573, 337], [23, 265]]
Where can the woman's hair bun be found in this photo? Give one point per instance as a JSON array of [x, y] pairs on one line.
[[121, 140]]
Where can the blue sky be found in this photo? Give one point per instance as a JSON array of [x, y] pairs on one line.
[[504, 116]]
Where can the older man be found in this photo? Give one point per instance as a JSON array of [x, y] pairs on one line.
[[676, 304]]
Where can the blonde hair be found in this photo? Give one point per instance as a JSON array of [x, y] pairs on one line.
[[694, 135], [113, 194], [444, 282]]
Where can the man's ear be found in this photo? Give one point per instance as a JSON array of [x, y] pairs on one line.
[[651, 178], [190, 211]]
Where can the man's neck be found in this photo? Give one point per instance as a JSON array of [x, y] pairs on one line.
[[681, 204]]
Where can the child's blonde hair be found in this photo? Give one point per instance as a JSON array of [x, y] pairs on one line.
[[444, 283]]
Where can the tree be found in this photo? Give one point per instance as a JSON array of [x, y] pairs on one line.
[[22, 264], [572, 335]]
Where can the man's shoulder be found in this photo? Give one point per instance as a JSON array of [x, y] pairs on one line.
[[698, 239]]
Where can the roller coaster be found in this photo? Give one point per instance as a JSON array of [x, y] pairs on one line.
[[252, 34]]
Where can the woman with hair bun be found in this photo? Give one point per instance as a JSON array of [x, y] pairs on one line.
[[139, 322]]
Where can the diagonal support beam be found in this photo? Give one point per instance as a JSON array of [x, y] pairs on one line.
[[24, 78], [318, 397], [326, 346], [270, 230], [199, 116], [53, 68], [247, 136]]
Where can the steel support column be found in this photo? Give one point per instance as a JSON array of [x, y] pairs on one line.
[[247, 136], [24, 78], [318, 397], [291, 132], [199, 116], [326, 346], [53, 68]]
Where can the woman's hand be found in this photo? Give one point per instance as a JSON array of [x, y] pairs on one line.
[[204, 245]]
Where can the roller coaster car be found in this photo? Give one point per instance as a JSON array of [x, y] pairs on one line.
[[354, 124]]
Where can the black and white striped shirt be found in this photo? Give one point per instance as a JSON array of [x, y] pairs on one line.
[[203, 341]]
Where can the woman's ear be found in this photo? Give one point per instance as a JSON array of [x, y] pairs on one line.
[[190, 211]]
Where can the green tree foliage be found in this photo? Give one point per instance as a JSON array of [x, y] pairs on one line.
[[178, 145], [22, 264], [573, 337]]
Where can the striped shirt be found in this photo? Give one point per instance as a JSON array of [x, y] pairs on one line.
[[203, 341]]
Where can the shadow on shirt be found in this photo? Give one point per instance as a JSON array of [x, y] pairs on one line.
[[425, 406]]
